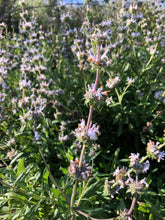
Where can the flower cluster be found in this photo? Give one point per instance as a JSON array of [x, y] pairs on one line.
[[83, 133], [137, 164], [136, 186], [79, 173], [62, 136], [101, 60], [112, 82], [154, 152], [93, 96], [160, 95], [12, 153], [120, 176]]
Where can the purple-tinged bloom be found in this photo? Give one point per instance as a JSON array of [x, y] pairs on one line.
[[137, 165], [154, 152]]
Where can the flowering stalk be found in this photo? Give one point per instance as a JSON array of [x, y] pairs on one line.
[[91, 108], [87, 127]]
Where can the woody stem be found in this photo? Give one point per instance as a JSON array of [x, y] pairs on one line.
[[134, 199], [91, 108]]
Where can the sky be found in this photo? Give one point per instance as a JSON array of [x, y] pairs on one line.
[[74, 1]]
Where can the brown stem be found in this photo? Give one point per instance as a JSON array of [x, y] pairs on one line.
[[89, 117], [134, 199], [91, 109], [132, 205]]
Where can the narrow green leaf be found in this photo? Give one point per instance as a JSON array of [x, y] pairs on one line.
[[56, 192], [126, 67], [91, 190], [20, 168], [46, 175], [32, 211]]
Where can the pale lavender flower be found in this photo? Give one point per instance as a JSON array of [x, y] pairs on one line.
[[11, 154], [112, 82], [10, 142], [133, 158], [154, 152], [24, 84], [109, 100], [134, 35], [159, 95], [137, 165], [93, 131], [116, 172], [143, 181], [2, 97], [130, 80], [36, 136], [82, 132], [129, 180], [160, 156], [63, 138], [106, 23], [104, 56]]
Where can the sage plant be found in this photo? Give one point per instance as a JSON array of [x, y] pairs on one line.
[[35, 125]]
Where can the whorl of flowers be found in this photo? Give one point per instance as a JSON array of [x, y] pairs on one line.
[[79, 173], [92, 95], [82, 133], [112, 82], [103, 60], [120, 173], [136, 187], [137, 165], [160, 95], [154, 152]]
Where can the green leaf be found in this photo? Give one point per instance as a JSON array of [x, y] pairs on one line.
[[91, 190], [121, 205], [144, 208], [46, 175], [32, 211], [120, 129], [20, 167], [16, 157], [126, 67], [56, 192], [124, 160], [64, 170]]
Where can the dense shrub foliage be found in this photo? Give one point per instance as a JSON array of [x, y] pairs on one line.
[[82, 112]]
